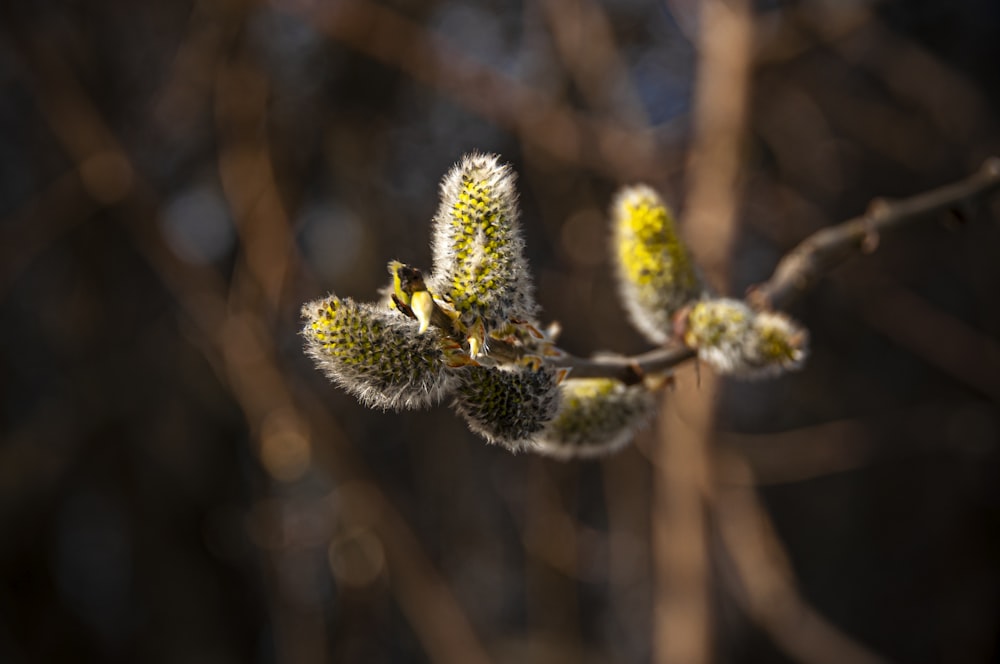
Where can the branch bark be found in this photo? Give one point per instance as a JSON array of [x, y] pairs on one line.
[[825, 249]]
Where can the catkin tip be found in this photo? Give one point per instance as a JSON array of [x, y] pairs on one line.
[[479, 262], [655, 273]]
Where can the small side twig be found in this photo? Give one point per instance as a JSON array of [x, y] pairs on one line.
[[802, 267]]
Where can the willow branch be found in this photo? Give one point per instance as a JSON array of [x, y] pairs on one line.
[[802, 267], [628, 369]]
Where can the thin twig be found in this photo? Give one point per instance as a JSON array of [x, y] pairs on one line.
[[802, 267], [819, 253], [629, 369]]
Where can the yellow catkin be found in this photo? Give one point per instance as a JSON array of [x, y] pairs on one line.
[[656, 276], [376, 353], [735, 340], [479, 264], [510, 405], [597, 416]]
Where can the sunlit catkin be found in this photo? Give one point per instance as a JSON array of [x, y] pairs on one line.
[[508, 405], [778, 344], [734, 339], [376, 353], [469, 330], [479, 263], [597, 416], [656, 276]]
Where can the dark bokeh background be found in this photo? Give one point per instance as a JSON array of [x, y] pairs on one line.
[[177, 484]]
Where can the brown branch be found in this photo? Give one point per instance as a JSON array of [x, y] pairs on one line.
[[630, 369], [683, 577], [825, 249], [765, 578], [802, 267], [912, 322]]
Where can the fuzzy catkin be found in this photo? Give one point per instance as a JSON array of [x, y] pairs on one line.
[[508, 405], [479, 263], [376, 354], [735, 340], [469, 329], [597, 417], [778, 344], [656, 276]]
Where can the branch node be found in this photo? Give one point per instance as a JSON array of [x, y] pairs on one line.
[[869, 243], [759, 297], [877, 211], [638, 375]]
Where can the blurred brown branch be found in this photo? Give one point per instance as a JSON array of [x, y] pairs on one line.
[[682, 571], [570, 136], [768, 582], [233, 330], [914, 323]]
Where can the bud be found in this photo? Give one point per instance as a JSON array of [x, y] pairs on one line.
[[735, 340], [656, 276], [718, 328], [508, 405], [597, 416], [407, 293], [479, 264], [376, 354], [778, 344]]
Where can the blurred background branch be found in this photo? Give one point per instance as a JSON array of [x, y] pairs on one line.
[[682, 613]]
